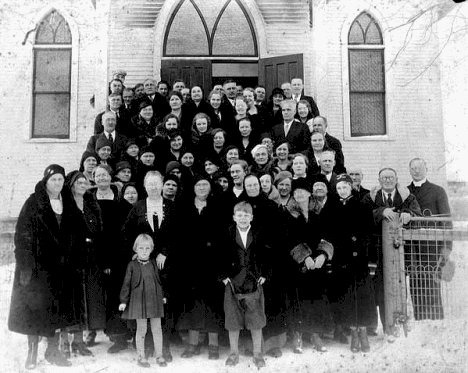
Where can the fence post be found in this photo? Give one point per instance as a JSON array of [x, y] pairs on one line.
[[394, 277]]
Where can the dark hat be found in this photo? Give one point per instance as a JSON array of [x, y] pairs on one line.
[[282, 175], [172, 165], [122, 165], [281, 142], [344, 177], [301, 183], [277, 91], [52, 170], [174, 178], [143, 104], [72, 177], [129, 143], [213, 159], [147, 149], [101, 142], [221, 173], [266, 135], [172, 134], [321, 178], [87, 154]]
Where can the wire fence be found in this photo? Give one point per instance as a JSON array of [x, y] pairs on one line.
[[425, 271]]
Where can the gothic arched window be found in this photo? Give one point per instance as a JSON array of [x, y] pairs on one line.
[[52, 78], [366, 78]]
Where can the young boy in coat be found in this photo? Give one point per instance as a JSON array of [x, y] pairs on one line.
[[244, 273]]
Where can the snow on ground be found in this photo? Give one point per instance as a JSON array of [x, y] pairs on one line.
[[431, 346]]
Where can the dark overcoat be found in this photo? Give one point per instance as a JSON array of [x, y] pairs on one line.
[[44, 247]]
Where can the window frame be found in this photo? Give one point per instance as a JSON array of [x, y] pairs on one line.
[[346, 71], [73, 76]]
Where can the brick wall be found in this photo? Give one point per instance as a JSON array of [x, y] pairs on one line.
[[414, 102]]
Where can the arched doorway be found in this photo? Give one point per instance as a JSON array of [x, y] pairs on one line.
[[207, 41]]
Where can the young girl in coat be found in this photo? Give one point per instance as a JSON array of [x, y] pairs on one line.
[[141, 298]]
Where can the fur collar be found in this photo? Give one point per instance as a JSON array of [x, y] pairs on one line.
[[402, 190]]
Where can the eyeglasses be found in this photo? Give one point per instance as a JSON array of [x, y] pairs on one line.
[[387, 178]]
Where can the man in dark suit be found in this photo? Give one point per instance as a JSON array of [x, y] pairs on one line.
[[116, 107], [327, 165], [129, 102], [320, 123], [423, 257], [357, 176], [386, 203], [109, 131], [297, 134], [160, 105], [297, 87]]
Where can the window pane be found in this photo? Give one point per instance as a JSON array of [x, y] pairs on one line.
[[356, 35], [233, 36], [52, 71], [367, 114], [366, 70], [53, 30], [373, 35], [51, 115], [180, 40]]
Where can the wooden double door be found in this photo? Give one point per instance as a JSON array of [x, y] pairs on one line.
[[272, 72]]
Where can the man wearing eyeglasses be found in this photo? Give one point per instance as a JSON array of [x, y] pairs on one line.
[[386, 202]]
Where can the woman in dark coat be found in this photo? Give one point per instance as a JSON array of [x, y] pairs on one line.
[[88, 229], [309, 308], [351, 293], [266, 216], [112, 258], [200, 307], [43, 292], [157, 217]]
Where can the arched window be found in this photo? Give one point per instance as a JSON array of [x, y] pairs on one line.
[[210, 28], [366, 78], [52, 78]]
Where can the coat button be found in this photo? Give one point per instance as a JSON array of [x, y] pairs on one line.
[[355, 253], [353, 238]]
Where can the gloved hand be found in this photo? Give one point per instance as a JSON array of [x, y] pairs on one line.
[[25, 276]]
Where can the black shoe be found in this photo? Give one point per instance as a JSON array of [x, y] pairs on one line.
[[190, 351], [80, 348], [259, 361], [91, 339], [55, 357], [339, 336], [318, 344], [274, 352], [117, 347], [232, 360], [354, 341], [213, 352], [167, 354]]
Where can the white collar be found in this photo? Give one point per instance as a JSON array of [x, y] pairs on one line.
[[392, 194], [110, 133], [419, 183], [288, 123]]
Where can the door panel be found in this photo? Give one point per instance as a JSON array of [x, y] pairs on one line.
[[192, 72], [274, 71]]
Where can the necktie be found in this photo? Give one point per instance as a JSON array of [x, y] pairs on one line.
[[111, 138], [389, 200], [155, 222], [286, 129]]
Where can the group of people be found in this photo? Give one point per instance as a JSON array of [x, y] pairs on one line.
[[207, 216]]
